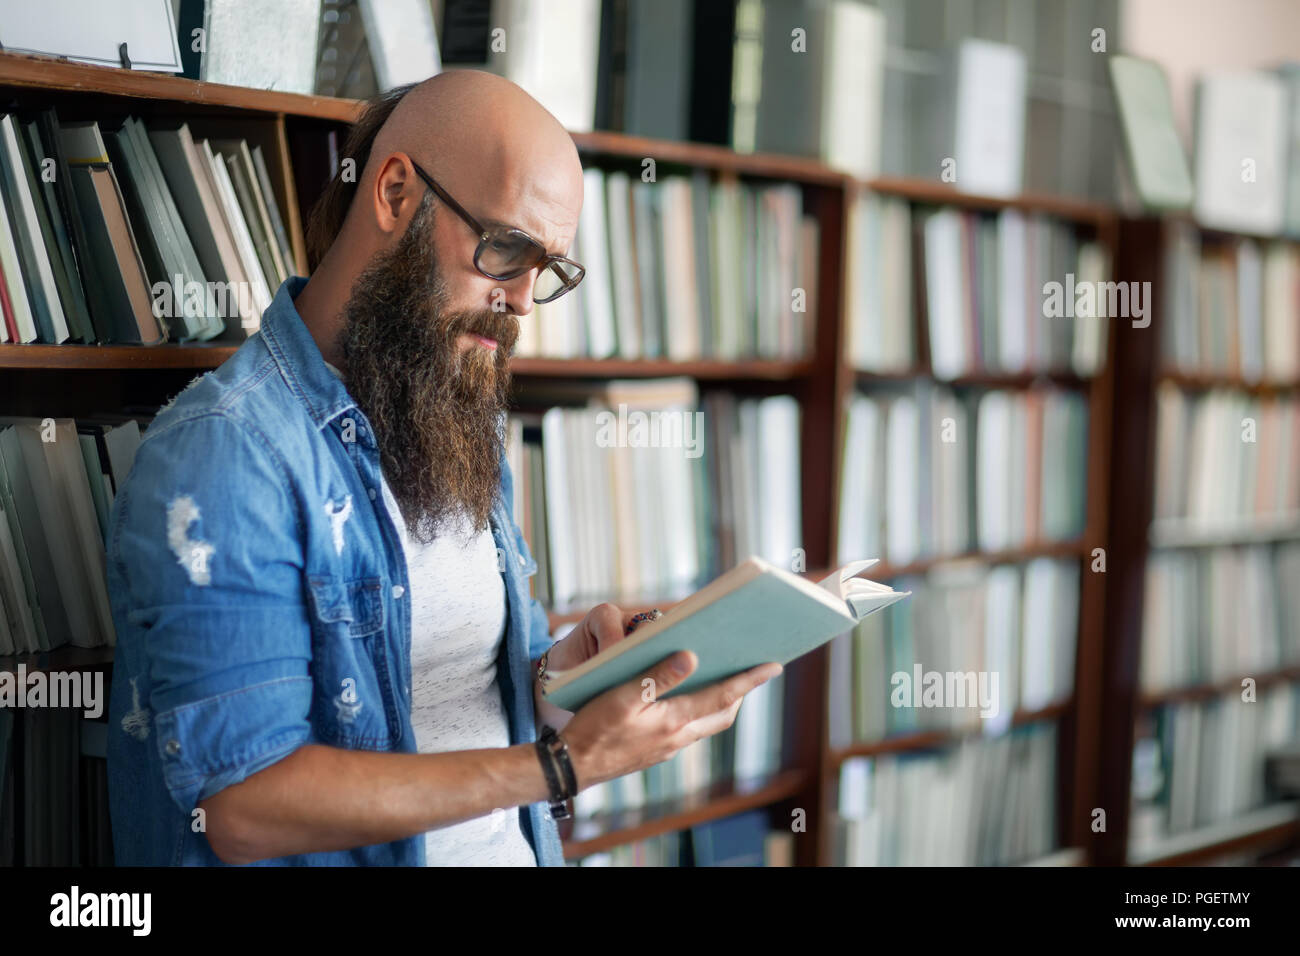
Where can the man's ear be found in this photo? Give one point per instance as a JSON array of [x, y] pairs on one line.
[[394, 195]]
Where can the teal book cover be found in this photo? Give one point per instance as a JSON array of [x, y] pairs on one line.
[[753, 614]]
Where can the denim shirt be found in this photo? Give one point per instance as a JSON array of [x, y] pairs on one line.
[[261, 601]]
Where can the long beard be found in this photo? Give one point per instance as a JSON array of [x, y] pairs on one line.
[[436, 412]]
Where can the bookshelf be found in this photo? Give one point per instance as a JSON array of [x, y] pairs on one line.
[[69, 380], [1138, 537]]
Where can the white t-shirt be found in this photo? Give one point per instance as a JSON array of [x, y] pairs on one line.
[[458, 617]]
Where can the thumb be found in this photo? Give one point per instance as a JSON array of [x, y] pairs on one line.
[[667, 674]]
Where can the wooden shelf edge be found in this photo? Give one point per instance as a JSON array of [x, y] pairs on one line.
[[930, 191], [765, 369], [1196, 380], [721, 800], [1168, 533], [73, 356], [55, 73], [1273, 824], [1214, 689], [931, 739], [68, 658], [1059, 378]]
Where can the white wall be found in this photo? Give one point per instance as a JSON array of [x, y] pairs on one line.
[[1188, 37]]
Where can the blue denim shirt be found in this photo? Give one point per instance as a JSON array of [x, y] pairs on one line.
[[261, 600]]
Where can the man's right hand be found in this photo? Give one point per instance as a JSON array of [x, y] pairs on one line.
[[630, 727]]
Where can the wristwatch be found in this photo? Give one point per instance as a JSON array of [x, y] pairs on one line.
[[553, 753]]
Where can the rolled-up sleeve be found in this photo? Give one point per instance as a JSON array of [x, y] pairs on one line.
[[207, 545]]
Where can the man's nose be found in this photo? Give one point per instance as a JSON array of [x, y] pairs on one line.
[[519, 293]]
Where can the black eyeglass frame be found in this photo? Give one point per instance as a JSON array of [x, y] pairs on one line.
[[544, 259]]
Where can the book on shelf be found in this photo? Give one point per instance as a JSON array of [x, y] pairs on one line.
[[1241, 151], [142, 236], [54, 777], [1219, 614], [975, 646], [1226, 462], [683, 268], [647, 493], [552, 53], [822, 76], [989, 111], [927, 474], [753, 614], [263, 44], [1200, 763], [1155, 153], [980, 802], [745, 839], [1233, 307], [402, 40], [1011, 292], [55, 498]]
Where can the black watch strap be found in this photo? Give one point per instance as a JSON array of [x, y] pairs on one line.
[[559, 806]]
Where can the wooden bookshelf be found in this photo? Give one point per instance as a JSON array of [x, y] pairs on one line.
[[932, 739], [1209, 691], [89, 378], [1256, 832], [1135, 534], [724, 798]]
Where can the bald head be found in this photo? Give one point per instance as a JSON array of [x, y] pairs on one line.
[[493, 147]]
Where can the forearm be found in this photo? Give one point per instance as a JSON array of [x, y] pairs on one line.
[[321, 798]]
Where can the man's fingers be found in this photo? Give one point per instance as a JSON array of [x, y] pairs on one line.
[[666, 675], [711, 724], [725, 694]]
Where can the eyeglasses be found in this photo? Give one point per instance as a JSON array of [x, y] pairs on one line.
[[507, 253]]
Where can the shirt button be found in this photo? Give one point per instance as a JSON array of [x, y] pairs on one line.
[[173, 747], [371, 492], [398, 590]]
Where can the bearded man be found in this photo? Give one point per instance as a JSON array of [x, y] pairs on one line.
[[327, 650]]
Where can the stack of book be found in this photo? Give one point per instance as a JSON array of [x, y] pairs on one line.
[[683, 268], [1197, 763], [747, 753], [879, 284], [139, 235], [926, 474], [1232, 307], [1216, 614], [972, 647], [984, 802], [1226, 461], [1011, 292], [647, 493], [57, 481]]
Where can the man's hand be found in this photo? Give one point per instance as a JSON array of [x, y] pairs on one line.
[[631, 727], [602, 627]]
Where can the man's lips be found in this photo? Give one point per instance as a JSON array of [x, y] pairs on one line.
[[483, 340]]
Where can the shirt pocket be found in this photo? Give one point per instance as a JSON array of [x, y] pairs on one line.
[[353, 701]]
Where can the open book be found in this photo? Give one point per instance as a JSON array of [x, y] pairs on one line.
[[753, 614]]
